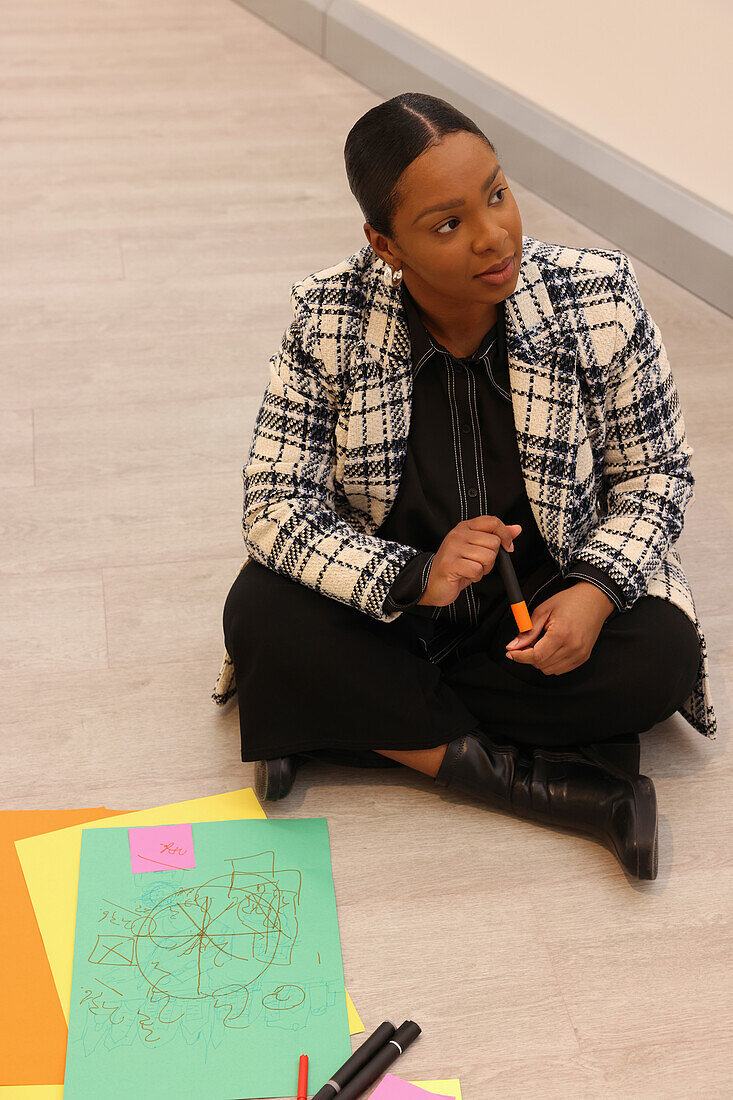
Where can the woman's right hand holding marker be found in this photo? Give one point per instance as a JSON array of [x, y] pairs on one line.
[[467, 553]]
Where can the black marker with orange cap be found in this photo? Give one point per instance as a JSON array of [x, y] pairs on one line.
[[514, 591]]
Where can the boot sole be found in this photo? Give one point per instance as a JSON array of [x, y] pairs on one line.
[[647, 855], [647, 822], [268, 776]]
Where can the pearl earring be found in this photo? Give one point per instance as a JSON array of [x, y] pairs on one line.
[[396, 276]]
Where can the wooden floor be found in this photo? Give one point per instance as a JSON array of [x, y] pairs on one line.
[[169, 169]]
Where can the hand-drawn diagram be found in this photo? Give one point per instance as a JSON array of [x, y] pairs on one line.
[[192, 961], [208, 980]]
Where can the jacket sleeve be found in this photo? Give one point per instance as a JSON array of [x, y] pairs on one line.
[[290, 523], [647, 477], [411, 583]]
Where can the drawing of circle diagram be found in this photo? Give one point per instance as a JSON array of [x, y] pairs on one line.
[[223, 936]]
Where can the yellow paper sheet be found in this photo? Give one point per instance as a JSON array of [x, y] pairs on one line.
[[442, 1088], [50, 865], [31, 1092], [54, 1092]]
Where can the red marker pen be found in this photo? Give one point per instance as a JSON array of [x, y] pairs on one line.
[[303, 1078]]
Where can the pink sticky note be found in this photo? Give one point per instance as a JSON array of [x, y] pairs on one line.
[[394, 1088], [161, 847]]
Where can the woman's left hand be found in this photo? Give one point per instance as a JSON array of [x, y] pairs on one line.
[[572, 620]]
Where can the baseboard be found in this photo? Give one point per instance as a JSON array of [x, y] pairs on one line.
[[670, 229]]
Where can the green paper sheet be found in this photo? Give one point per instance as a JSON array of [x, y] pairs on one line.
[[210, 981]]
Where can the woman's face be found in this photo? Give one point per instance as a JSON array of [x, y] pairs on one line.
[[476, 224]]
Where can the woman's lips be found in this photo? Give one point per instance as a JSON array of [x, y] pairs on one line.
[[496, 277]]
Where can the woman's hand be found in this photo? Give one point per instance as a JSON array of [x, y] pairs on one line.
[[466, 554], [572, 620]]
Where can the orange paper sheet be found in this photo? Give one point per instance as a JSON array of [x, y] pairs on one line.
[[32, 1025]]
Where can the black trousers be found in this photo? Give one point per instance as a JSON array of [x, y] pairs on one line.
[[316, 675]]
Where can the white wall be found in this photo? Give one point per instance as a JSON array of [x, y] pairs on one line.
[[651, 78]]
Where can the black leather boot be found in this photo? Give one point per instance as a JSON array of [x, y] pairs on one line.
[[274, 778], [624, 751], [579, 790]]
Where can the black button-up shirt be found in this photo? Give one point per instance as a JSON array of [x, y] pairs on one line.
[[463, 461]]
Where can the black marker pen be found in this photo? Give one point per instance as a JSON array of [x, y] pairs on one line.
[[382, 1060], [357, 1061]]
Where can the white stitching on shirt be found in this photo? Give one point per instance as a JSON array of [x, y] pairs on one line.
[[479, 460], [496, 385], [452, 613], [423, 580], [425, 572], [427, 354], [599, 584], [544, 584], [450, 362]]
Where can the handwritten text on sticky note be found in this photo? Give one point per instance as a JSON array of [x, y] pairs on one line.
[[161, 847]]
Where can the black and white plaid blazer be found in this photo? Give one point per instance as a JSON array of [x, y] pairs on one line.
[[600, 432]]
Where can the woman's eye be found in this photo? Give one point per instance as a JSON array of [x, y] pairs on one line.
[[499, 192]]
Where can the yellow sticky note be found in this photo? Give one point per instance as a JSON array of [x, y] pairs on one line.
[[50, 865], [451, 1087]]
